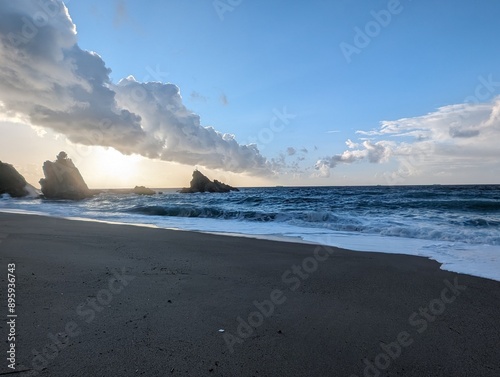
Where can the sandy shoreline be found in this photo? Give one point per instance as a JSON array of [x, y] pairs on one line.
[[99, 299]]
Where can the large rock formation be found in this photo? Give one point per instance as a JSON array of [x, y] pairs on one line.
[[201, 183], [13, 183], [63, 180]]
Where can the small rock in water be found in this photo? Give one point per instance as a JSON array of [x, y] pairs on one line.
[[200, 183]]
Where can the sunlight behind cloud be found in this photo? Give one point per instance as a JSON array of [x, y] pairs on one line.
[[116, 169]]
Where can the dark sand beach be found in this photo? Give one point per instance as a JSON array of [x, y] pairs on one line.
[[96, 299]]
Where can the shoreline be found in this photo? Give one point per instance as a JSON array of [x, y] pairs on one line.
[[151, 301], [277, 238], [356, 243]]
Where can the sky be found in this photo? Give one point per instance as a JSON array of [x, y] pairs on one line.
[[253, 93]]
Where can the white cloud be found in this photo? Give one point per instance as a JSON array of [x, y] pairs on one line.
[[47, 80], [179, 133], [350, 144], [462, 137]]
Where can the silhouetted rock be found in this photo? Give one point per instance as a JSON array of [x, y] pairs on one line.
[[63, 180], [141, 190], [201, 183], [13, 183]]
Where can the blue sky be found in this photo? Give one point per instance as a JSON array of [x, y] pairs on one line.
[[267, 54], [240, 65]]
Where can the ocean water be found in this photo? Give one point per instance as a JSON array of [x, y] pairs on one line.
[[458, 226]]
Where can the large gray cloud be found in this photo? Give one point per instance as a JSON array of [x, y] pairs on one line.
[[184, 139], [47, 80]]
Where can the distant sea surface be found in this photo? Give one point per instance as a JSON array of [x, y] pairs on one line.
[[458, 226]]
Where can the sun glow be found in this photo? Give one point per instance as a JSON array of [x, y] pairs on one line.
[[117, 170]]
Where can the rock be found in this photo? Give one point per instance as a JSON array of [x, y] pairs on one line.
[[141, 190], [13, 183], [201, 183], [63, 180]]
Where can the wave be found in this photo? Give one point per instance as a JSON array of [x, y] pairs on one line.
[[451, 205], [481, 223], [476, 230], [206, 212], [455, 214]]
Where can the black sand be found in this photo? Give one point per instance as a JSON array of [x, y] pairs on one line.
[[158, 299]]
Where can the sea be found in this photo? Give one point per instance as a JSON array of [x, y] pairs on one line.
[[458, 226]]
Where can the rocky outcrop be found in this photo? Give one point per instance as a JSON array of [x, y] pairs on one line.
[[13, 183], [63, 180], [141, 190], [201, 183]]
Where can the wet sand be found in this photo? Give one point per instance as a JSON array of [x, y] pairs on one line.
[[96, 299]]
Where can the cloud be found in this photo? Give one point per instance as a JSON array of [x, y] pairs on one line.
[[456, 131], [182, 137], [452, 137], [47, 80], [351, 145], [373, 152], [291, 151]]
